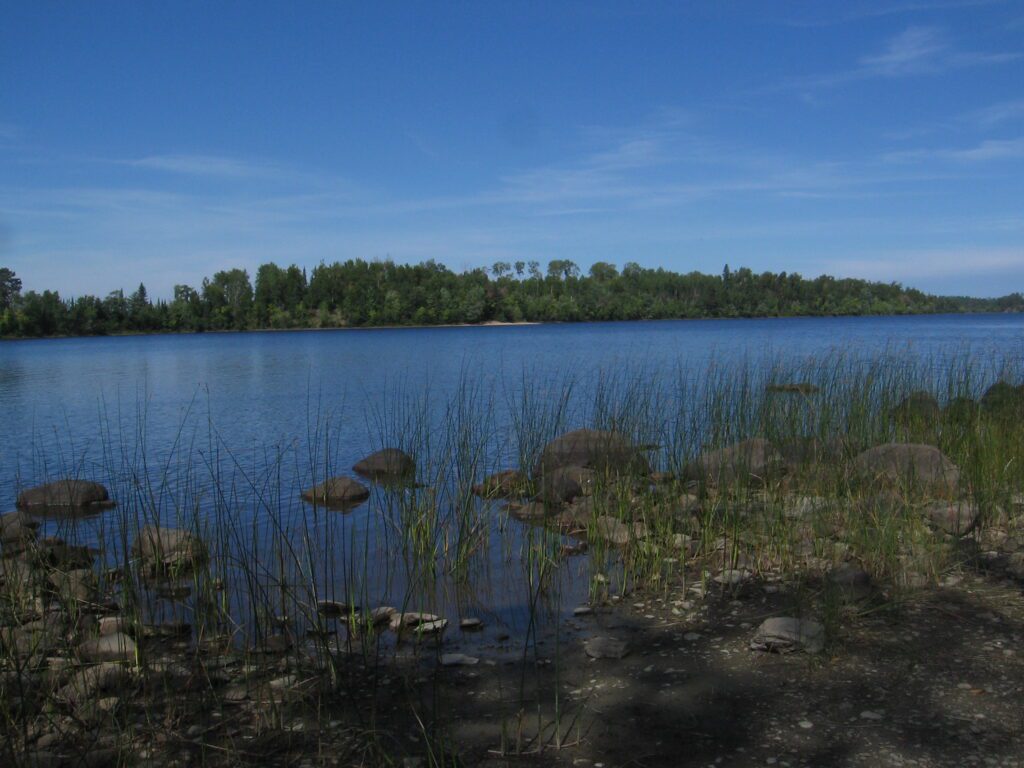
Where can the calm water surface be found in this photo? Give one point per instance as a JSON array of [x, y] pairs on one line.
[[91, 406]]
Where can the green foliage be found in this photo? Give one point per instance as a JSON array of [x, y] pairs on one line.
[[359, 293]]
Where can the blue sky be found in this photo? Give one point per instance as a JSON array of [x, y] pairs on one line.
[[162, 142]]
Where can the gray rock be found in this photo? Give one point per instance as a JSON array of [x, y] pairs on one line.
[[595, 449], [783, 634], [908, 465], [616, 532], [90, 682], [113, 647], [956, 518], [67, 495], [749, 462], [166, 548], [78, 585]]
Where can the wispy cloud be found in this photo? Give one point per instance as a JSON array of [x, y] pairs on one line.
[[912, 265], [915, 51], [853, 13], [996, 114], [986, 151], [211, 165]]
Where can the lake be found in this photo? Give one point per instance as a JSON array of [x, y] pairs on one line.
[[233, 425]]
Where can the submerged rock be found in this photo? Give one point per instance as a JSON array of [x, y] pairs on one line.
[[66, 495], [908, 465], [595, 449], [387, 465], [749, 462], [337, 491], [783, 634], [168, 548]]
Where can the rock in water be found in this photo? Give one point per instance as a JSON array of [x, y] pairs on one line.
[[337, 492], [908, 465], [562, 485], [168, 548], [65, 495], [605, 648], [749, 462], [783, 634], [388, 465], [510, 483], [592, 449]]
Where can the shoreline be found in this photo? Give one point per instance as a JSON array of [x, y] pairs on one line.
[[489, 324]]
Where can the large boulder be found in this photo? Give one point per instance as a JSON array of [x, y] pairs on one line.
[[65, 495], [337, 491], [908, 466], [595, 449], [168, 548], [749, 462], [387, 465]]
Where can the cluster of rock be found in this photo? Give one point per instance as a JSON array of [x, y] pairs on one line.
[[65, 641], [590, 482], [389, 466]]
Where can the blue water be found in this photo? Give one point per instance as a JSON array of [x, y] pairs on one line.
[[241, 403], [261, 389]]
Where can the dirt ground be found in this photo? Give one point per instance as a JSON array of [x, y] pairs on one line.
[[935, 680]]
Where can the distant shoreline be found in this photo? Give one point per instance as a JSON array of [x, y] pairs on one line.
[[486, 324]]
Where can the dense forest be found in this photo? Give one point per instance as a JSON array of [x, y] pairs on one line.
[[359, 293]]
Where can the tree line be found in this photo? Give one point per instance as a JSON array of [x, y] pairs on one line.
[[359, 293]]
